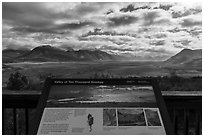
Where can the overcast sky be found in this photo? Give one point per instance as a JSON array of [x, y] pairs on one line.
[[152, 30]]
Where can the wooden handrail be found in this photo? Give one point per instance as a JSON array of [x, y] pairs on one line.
[[175, 101]]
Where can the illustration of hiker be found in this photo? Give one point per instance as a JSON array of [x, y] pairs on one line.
[[90, 121]]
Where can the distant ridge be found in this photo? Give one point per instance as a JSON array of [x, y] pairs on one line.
[[47, 53]]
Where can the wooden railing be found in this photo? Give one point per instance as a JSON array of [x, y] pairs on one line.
[[185, 111]]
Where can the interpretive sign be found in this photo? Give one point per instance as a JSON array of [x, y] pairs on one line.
[[102, 106]]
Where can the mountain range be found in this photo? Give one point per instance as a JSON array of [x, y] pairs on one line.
[[45, 53]]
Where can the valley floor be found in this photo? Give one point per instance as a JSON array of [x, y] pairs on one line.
[[37, 72]]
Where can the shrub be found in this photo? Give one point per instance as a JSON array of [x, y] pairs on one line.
[[17, 81]]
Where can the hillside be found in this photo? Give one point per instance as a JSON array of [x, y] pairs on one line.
[[186, 57], [9, 55], [47, 53]]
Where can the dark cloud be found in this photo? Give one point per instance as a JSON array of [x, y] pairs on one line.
[[143, 7], [157, 42], [148, 37], [131, 8], [123, 20], [109, 12], [180, 14], [184, 42], [82, 38], [149, 18], [56, 29], [178, 46], [144, 29], [190, 23], [87, 8], [186, 12], [158, 35], [195, 32], [74, 25], [176, 29], [27, 14], [35, 30], [98, 31], [35, 17], [37, 14], [162, 21], [164, 7]]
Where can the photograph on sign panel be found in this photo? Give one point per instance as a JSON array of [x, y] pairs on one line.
[[131, 117], [101, 96], [152, 117], [109, 117]]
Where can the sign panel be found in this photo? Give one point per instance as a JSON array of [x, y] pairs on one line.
[[125, 106]]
